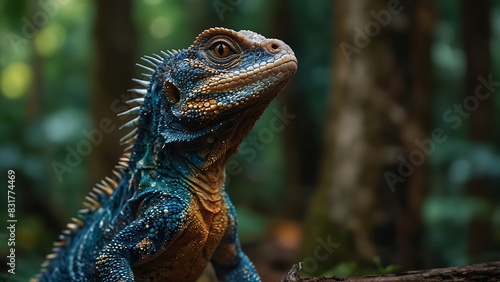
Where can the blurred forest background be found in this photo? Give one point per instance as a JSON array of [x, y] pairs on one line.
[[383, 153]]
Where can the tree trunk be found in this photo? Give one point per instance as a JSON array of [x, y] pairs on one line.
[[115, 45], [415, 131], [346, 207], [477, 34], [294, 204]]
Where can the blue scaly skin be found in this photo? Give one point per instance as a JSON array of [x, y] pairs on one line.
[[165, 215]]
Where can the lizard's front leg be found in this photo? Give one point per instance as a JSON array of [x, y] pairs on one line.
[[144, 238], [229, 261]]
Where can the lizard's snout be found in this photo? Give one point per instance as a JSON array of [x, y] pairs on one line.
[[275, 46]]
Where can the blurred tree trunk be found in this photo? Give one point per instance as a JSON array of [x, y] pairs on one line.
[[346, 208], [415, 131], [477, 33], [294, 206], [115, 46], [380, 121]]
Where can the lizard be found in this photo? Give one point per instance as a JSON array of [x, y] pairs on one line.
[[164, 214]]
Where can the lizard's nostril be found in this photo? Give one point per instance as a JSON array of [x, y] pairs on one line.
[[273, 46]]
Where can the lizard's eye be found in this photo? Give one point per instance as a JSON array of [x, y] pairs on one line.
[[221, 50]]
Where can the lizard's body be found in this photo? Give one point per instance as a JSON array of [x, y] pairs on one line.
[[165, 214]]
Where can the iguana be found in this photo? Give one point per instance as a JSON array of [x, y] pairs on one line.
[[164, 214]]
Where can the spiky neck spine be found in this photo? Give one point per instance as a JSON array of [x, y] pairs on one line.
[[183, 160]]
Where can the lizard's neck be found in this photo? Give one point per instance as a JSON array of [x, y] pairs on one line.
[[207, 185], [195, 159], [183, 163]]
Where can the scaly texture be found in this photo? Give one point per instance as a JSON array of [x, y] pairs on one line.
[[165, 215]]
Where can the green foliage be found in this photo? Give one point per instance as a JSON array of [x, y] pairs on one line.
[[342, 269], [385, 269], [350, 268], [251, 225]]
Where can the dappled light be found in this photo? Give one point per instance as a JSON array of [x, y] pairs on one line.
[[16, 79]]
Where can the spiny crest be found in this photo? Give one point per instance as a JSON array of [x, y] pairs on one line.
[[106, 187], [92, 202], [154, 61]]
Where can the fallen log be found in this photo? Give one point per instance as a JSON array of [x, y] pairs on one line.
[[483, 272]]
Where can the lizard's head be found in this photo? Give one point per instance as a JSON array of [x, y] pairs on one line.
[[227, 73], [217, 88]]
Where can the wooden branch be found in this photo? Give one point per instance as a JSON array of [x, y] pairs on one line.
[[483, 272]]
